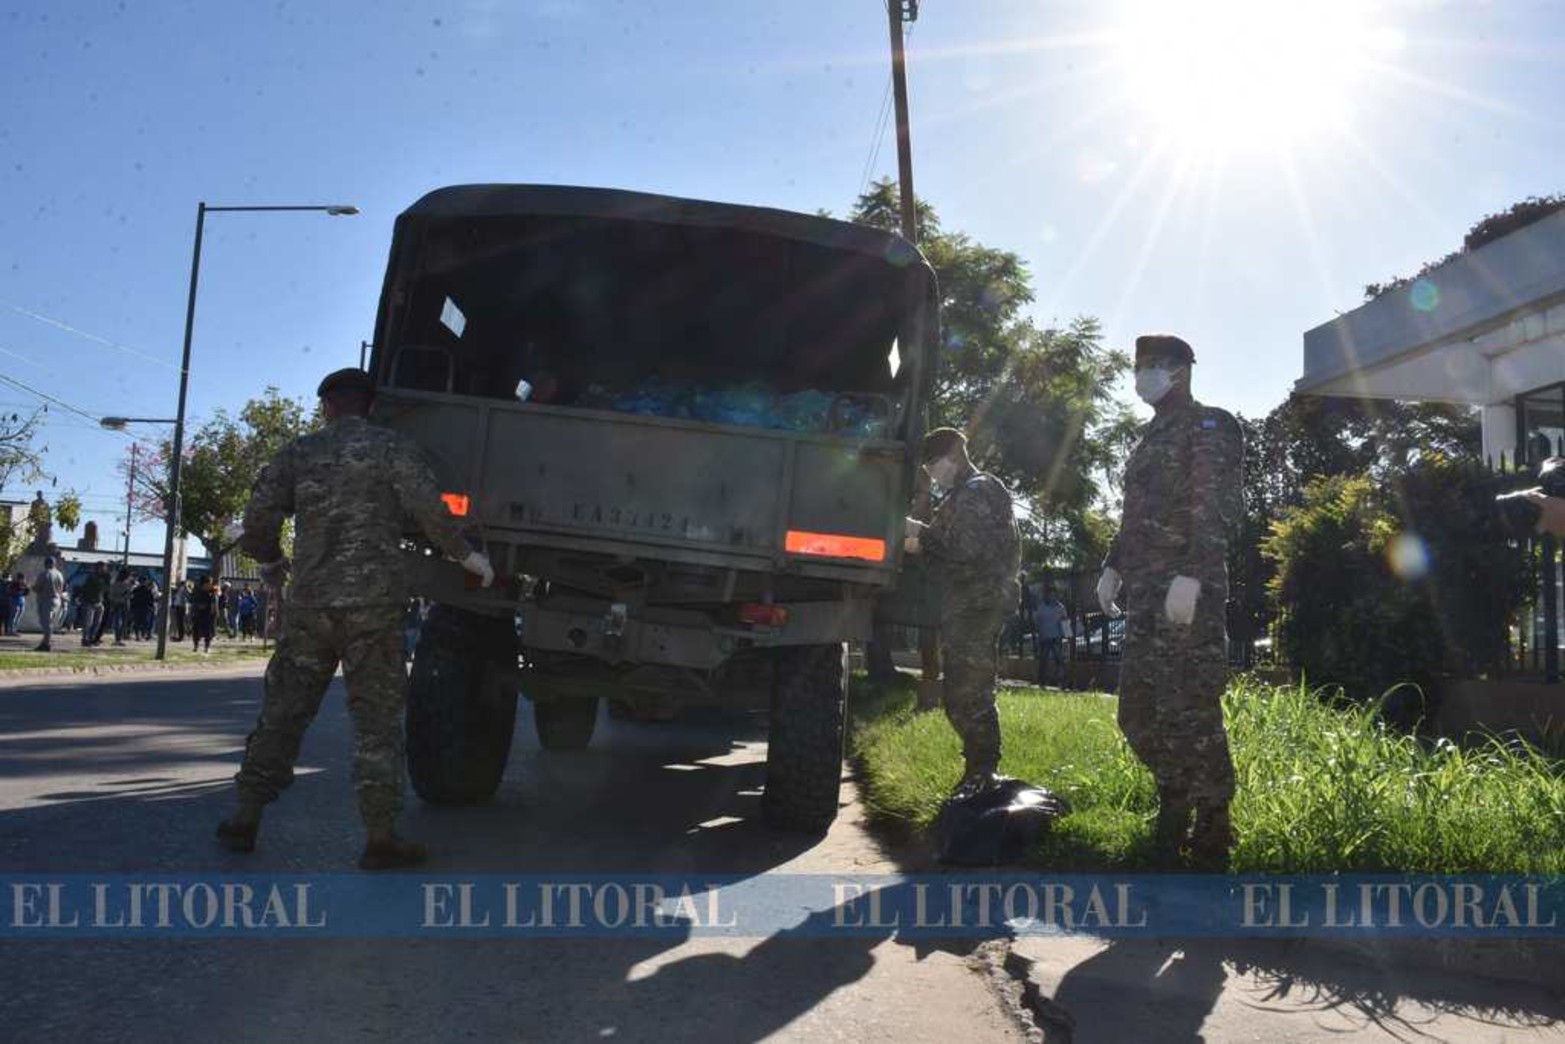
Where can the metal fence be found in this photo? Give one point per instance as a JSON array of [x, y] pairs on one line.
[[1539, 632]]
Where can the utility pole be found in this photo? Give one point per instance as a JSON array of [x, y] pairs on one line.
[[899, 11], [130, 497]]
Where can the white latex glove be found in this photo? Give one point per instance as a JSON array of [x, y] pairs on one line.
[[1108, 590], [910, 544], [1180, 603], [478, 563]]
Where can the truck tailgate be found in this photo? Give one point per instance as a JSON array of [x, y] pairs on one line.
[[675, 490]]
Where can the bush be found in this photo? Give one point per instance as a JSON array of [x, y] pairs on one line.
[[1379, 584]]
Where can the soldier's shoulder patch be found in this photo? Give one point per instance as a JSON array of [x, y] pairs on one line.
[[1214, 419]]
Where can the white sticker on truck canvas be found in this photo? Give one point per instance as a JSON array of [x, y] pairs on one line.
[[453, 319]]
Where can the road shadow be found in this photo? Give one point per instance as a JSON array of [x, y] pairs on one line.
[[133, 781], [1167, 990]]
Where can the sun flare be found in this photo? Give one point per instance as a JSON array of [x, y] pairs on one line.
[[1233, 75]]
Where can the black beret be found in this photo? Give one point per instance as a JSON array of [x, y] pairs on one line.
[[940, 442], [350, 379], [1163, 346]]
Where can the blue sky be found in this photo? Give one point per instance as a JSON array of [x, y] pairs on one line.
[[1237, 193]]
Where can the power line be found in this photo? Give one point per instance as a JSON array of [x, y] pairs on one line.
[[61, 324], [883, 119], [875, 141], [24, 386]]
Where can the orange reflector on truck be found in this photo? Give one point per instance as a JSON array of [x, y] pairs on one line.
[[457, 502], [834, 545]]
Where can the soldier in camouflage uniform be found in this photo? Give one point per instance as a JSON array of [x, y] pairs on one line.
[[1182, 495], [348, 486], [974, 548]]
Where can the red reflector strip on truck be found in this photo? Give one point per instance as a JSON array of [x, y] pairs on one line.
[[758, 615], [457, 503], [833, 545]]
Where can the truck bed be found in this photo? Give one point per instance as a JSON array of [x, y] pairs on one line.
[[653, 488]]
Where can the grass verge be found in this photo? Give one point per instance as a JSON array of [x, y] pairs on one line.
[[83, 660], [1321, 787]]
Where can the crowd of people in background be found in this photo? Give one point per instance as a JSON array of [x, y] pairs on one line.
[[122, 605]]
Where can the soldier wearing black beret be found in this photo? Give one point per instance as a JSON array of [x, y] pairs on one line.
[[348, 487], [1183, 485]]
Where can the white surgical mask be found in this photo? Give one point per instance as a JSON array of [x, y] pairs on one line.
[[941, 475], [1153, 383]]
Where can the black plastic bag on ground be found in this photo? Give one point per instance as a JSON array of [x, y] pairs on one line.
[[997, 823]]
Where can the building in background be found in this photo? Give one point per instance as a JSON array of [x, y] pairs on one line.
[[1484, 329]]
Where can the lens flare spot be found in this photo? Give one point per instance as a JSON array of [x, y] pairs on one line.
[[1408, 557], [1093, 167], [901, 253], [1425, 295]]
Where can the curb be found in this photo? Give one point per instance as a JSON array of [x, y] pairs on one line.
[[28, 673]]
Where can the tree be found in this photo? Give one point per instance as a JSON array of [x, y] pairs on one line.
[[1310, 438], [221, 463], [19, 461], [68, 511], [1382, 583], [1036, 403]]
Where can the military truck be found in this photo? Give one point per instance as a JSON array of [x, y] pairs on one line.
[[681, 432]]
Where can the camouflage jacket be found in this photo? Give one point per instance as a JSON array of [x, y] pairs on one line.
[[349, 488], [1183, 495], [974, 547]]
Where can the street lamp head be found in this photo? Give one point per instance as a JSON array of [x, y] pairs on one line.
[[342, 211], [114, 423]]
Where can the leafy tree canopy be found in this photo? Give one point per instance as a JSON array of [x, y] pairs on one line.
[[221, 462], [1037, 404]]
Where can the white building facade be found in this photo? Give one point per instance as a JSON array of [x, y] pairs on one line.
[[1486, 329]]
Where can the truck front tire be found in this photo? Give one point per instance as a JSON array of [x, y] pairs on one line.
[[804, 745], [461, 706]]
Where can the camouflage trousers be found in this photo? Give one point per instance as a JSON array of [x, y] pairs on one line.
[[367, 641], [969, 647], [1171, 684]]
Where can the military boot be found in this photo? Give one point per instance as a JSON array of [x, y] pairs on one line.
[[237, 833], [390, 852], [1212, 840], [1170, 832]]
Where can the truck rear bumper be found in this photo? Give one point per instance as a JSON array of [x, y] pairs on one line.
[[618, 634]]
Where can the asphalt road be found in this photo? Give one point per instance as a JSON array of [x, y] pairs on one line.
[[130, 775], [103, 776]]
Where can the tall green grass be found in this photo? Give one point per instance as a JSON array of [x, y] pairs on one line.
[[1322, 786]]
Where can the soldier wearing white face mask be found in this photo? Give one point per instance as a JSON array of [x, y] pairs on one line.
[[974, 549], [1183, 485]]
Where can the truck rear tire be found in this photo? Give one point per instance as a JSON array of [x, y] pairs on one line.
[[461, 706], [804, 746], [565, 724]]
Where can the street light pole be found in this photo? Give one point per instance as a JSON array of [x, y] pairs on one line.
[[130, 500], [173, 511], [177, 460]]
